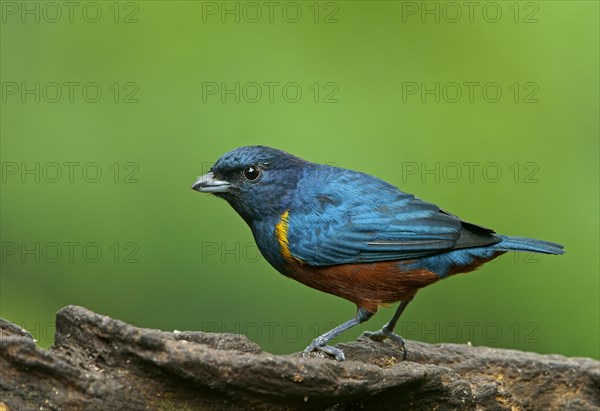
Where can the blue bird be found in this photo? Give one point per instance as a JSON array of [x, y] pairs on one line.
[[351, 234]]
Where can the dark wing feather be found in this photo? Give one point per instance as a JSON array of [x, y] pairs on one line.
[[356, 218]]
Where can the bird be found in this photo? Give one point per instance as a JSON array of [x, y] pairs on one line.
[[350, 234]]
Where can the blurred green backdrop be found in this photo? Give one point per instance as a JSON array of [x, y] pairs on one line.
[[110, 110]]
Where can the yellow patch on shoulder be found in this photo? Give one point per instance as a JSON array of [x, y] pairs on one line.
[[281, 231]]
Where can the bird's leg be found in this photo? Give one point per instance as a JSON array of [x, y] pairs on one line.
[[320, 343], [388, 330]]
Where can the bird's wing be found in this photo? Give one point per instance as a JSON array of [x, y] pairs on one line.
[[358, 219]]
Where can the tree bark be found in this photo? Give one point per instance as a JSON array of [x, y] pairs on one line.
[[98, 363]]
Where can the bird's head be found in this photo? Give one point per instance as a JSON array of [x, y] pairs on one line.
[[256, 181]]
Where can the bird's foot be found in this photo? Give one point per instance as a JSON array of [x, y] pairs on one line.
[[385, 333], [319, 344]]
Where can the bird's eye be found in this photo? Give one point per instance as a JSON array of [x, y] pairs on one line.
[[251, 173]]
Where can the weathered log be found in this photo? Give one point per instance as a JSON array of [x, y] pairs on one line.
[[97, 363]]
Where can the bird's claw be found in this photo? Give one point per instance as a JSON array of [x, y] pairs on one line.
[[385, 333], [320, 345], [378, 336]]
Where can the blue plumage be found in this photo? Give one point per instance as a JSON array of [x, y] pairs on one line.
[[511, 243], [362, 219], [349, 233]]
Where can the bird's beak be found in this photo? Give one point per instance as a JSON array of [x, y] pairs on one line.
[[208, 184]]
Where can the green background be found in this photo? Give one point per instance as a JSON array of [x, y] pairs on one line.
[[187, 262]]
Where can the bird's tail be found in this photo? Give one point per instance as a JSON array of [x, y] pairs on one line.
[[510, 243]]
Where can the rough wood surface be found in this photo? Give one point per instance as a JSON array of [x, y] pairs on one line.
[[98, 363]]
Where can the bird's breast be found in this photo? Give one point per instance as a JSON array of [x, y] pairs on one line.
[[272, 241]]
